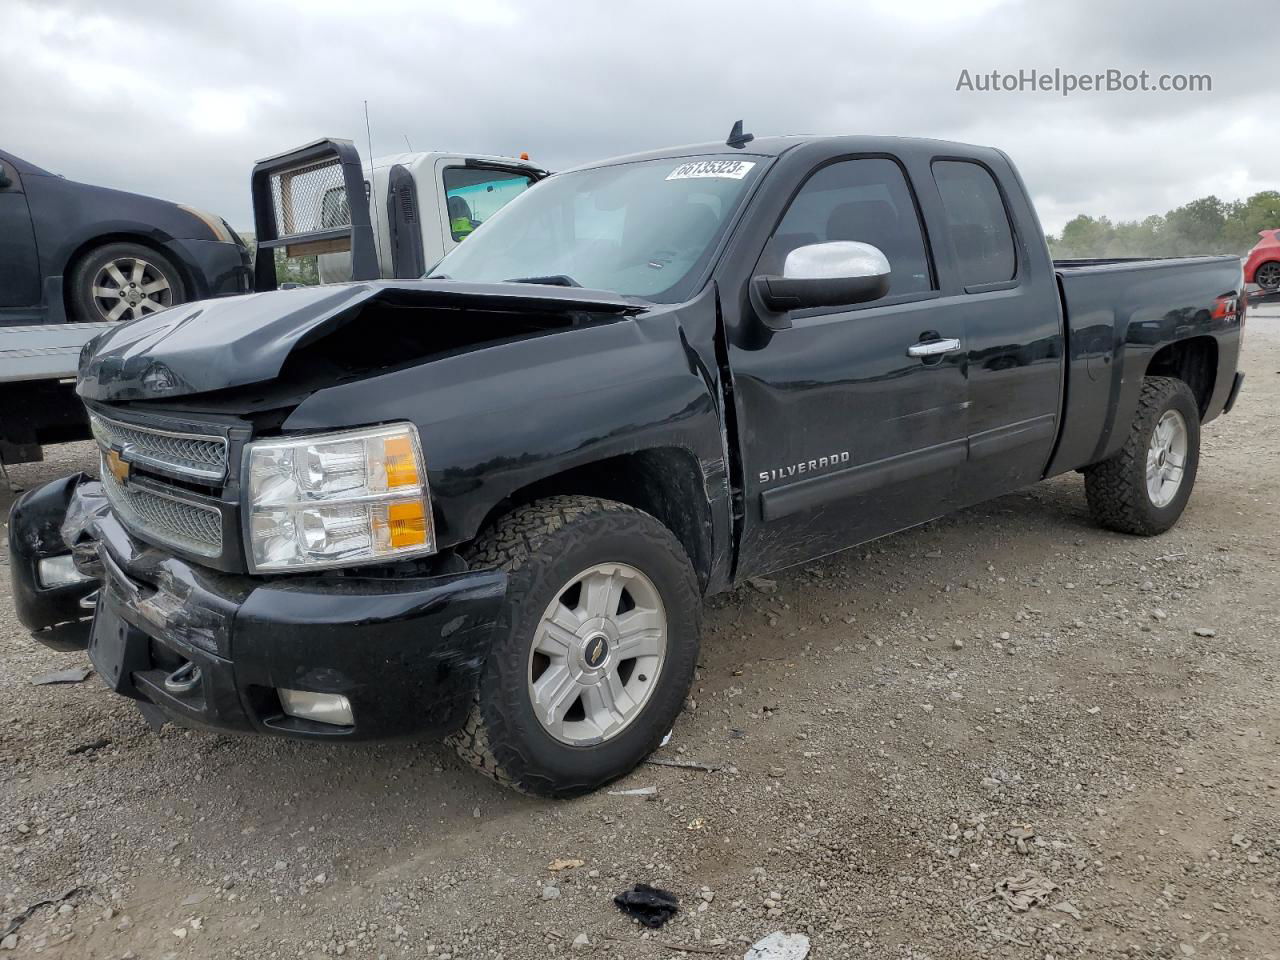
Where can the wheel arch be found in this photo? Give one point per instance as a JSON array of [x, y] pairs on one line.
[[87, 246], [664, 482], [1194, 361]]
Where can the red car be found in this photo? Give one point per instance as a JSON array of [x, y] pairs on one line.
[[1263, 265]]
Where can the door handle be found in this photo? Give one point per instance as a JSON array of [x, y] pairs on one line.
[[933, 348]]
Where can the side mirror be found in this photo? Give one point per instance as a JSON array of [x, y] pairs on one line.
[[834, 274]]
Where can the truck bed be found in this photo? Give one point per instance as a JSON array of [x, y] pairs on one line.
[[1118, 313]]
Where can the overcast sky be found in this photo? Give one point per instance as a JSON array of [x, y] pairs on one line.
[[177, 99]]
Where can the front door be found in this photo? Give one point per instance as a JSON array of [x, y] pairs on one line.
[[847, 432], [19, 267]]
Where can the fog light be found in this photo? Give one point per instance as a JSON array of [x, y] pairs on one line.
[[321, 707], [59, 572]]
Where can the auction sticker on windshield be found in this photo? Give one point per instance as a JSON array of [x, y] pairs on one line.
[[725, 169]]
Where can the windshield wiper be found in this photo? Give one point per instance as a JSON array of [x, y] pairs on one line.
[[550, 280]]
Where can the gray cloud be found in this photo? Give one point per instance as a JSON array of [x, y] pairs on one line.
[[178, 100]]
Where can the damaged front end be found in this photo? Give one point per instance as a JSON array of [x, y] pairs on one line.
[[49, 591], [317, 656]]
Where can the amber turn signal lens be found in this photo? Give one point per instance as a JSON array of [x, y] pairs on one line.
[[406, 524], [402, 467]]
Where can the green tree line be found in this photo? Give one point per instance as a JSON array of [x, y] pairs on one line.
[[288, 269], [1205, 226]]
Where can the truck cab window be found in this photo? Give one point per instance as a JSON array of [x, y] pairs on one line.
[[474, 194], [977, 221], [865, 200]]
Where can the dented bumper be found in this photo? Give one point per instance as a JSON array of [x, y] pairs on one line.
[[406, 653]]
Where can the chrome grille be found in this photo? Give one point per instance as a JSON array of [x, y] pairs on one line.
[[167, 518], [193, 455]]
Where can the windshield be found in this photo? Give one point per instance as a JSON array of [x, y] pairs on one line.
[[642, 229]]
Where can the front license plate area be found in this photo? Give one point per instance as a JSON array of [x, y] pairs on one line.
[[117, 649]]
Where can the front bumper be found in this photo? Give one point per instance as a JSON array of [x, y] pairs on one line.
[[405, 652], [215, 268]]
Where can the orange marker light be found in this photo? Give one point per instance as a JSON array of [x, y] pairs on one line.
[[402, 468], [406, 525], [524, 154]]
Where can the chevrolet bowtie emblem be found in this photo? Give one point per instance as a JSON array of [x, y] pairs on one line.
[[118, 466]]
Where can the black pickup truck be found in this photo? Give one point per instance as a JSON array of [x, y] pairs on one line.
[[489, 502]]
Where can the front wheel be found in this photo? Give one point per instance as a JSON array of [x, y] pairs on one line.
[[123, 281], [1144, 488], [594, 650]]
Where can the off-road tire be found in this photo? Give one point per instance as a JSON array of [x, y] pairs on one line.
[[1116, 488], [541, 546]]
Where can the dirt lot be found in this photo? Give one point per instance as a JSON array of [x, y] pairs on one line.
[[879, 721]]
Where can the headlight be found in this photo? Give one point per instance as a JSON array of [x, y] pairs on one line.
[[338, 499]]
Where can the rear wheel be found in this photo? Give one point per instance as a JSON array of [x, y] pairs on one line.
[[1267, 276], [594, 650], [123, 281], [1144, 488]]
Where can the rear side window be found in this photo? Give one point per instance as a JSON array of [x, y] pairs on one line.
[[474, 194], [977, 221], [865, 200]]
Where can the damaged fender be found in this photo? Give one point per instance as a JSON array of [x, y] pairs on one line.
[[36, 522]]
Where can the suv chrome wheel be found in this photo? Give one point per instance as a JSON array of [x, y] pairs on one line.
[[130, 287], [597, 653], [1166, 458]]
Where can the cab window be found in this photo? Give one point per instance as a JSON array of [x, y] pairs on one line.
[[866, 200], [474, 194], [977, 221]]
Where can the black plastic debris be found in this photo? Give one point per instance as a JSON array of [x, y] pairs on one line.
[[71, 675], [651, 906]]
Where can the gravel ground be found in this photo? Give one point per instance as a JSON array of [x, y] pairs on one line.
[[895, 730]]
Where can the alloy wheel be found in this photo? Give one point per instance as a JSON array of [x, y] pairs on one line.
[[597, 653], [129, 288]]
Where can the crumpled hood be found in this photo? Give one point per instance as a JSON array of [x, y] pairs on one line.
[[233, 341]]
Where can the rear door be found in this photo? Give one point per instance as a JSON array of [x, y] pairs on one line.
[[844, 435], [1006, 299], [19, 265]]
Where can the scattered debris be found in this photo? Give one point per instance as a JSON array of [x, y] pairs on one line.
[[635, 792], [779, 946], [91, 745], [550, 893], [565, 864], [1022, 892], [764, 584], [651, 906], [1067, 907], [1019, 836], [682, 764], [19, 919], [70, 675], [1205, 632], [580, 942]]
